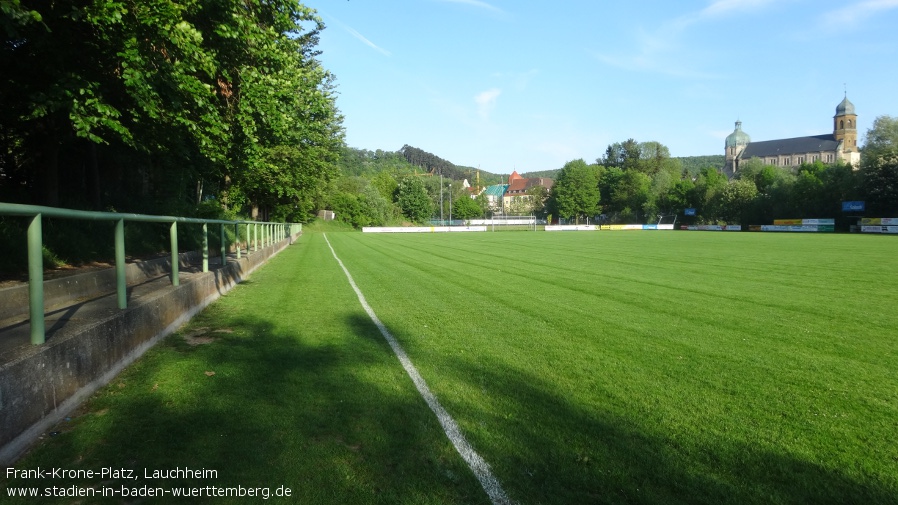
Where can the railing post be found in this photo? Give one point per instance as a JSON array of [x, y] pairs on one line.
[[224, 259], [205, 247], [175, 264], [237, 238], [121, 285], [255, 237], [36, 279]]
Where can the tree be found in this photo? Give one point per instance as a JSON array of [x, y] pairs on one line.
[[576, 192], [537, 196], [879, 165], [624, 155], [162, 101], [413, 200], [631, 194], [466, 208], [735, 201], [709, 182]]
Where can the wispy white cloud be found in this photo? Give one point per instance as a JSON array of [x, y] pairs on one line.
[[518, 80], [486, 102], [357, 35], [651, 62], [366, 41], [657, 51], [853, 15], [722, 8], [475, 3]]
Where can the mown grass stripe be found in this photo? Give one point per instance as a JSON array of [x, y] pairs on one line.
[[477, 464], [653, 368]]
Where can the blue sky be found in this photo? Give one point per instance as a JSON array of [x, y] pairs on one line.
[[528, 85]]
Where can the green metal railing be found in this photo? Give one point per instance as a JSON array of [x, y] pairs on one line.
[[264, 233]]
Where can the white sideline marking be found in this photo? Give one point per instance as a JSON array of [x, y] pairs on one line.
[[480, 467]]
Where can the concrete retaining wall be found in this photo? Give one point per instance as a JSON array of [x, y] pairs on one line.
[[45, 383], [87, 285]]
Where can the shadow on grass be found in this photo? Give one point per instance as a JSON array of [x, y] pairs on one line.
[[547, 450], [334, 419]]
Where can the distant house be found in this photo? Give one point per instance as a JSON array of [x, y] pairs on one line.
[[840, 145], [494, 195], [516, 196]]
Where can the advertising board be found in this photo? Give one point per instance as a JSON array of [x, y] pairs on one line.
[[856, 206]]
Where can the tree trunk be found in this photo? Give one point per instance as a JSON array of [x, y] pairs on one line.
[[94, 178], [46, 190]]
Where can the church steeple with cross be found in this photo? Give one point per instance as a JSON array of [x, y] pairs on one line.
[[845, 125]]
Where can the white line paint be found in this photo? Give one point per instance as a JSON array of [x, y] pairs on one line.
[[480, 467]]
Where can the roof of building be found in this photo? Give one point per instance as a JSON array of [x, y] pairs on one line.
[[845, 107], [514, 175], [540, 181], [517, 185], [738, 137], [798, 145], [496, 190]]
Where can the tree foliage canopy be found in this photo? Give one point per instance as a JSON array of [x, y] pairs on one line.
[[879, 165], [159, 104], [576, 192]]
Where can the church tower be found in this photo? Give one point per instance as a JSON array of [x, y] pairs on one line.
[[845, 126], [736, 142]]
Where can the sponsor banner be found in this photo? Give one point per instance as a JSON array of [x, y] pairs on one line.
[[420, 229], [708, 227], [620, 227], [879, 229], [786, 221], [689, 212], [754, 227], [818, 221], [498, 222], [826, 227], [876, 221], [794, 228], [853, 206], [571, 227]]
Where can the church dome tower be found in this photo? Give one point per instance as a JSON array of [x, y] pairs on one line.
[[736, 142], [845, 125]]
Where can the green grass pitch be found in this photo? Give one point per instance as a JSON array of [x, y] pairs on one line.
[[586, 367]]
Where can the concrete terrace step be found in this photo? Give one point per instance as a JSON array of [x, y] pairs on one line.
[[66, 290]]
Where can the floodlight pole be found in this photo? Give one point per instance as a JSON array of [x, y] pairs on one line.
[[450, 204], [441, 199]]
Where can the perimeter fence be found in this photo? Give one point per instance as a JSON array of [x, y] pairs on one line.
[[257, 234]]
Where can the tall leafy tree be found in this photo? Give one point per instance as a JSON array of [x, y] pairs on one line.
[[576, 192], [169, 100], [879, 165], [466, 208], [413, 199]]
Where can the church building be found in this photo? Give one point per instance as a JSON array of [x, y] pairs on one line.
[[840, 145]]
